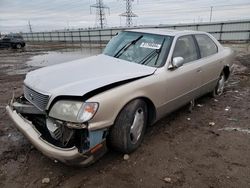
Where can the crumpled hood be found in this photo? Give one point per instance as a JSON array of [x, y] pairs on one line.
[[79, 77]]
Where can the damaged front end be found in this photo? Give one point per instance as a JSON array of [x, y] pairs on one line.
[[61, 140]]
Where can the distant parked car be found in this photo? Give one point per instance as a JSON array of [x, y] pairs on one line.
[[12, 41], [68, 111]]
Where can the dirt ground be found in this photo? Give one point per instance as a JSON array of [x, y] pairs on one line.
[[209, 147]]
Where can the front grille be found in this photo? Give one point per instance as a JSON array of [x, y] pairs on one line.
[[37, 99]]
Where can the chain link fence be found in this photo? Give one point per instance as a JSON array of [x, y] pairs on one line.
[[222, 31]]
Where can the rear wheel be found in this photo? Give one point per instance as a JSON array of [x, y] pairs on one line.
[[18, 46], [219, 88], [127, 133]]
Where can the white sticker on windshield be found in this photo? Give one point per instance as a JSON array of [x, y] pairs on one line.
[[150, 45]]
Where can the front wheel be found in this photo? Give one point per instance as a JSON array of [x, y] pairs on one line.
[[127, 133], [219, 88]]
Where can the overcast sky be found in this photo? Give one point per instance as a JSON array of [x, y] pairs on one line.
[[47, 15]]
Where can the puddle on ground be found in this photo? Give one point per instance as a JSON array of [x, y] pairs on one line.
[[56, 57]]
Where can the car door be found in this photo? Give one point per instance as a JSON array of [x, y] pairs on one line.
[[181, 83], [210, 65], [5, 42]]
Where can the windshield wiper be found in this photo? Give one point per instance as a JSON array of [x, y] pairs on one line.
[[126, 46], [152, 54]]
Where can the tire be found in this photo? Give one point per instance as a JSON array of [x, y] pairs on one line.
[[219, 88], [18, 46], [128, 131]]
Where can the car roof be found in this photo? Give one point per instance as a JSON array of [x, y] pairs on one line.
[[169, 32]]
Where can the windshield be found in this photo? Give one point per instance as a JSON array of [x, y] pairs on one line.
[[141, 48]]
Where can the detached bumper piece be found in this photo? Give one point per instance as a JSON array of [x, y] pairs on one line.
[[73, 155]]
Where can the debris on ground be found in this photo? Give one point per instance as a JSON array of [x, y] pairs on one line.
[[235, 129], [45, 180], [21, 158], [200, 105], [227, 108], [191, 105], [126, 157], [240, 98], [233, 119], [211, 123], [167, 180], [233, 83], [213, 132], [188, 119]]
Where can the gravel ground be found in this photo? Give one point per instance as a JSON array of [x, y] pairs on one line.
[[209, 147]]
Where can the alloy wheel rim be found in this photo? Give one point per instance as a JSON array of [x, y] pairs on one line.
[[221, 84], [137, 126]]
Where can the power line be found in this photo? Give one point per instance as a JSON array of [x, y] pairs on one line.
[[100, 13], [196, 9], [129, 13]]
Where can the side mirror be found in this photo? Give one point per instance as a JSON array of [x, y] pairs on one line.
[[177, 62]]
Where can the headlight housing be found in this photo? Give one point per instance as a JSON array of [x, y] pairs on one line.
[[73, 111]]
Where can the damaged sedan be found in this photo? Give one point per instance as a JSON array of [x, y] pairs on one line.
[[72, 111]]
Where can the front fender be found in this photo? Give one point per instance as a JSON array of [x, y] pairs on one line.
[[112, 101]]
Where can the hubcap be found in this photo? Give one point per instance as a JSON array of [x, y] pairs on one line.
[[221, 84], [137, 126]]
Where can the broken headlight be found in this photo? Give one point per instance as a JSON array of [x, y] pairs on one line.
[[73, 111]]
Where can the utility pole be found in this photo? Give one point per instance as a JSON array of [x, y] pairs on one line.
[[211, 13], [129, 13], [100, 13], [30, 27]]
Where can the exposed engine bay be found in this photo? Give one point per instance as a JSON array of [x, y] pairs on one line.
[[59, 133]]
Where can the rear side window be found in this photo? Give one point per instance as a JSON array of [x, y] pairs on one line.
[[18, 37], [185, 47], [206, 45]]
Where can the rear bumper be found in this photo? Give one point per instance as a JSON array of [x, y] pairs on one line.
[[69, 155]]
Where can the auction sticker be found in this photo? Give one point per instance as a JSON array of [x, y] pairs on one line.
[[150, 45]]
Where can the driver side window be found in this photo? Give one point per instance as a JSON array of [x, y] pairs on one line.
[[185, 47]]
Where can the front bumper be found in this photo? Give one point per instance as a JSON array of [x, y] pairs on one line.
[[66, 155]]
